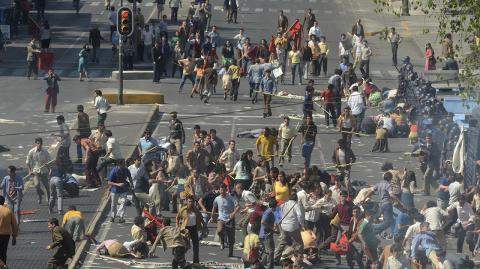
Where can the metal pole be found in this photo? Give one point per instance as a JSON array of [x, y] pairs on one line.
[[120, 71]]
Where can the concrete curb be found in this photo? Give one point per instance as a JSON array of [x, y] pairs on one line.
[[134, 96], [133, 74], [103, 207]]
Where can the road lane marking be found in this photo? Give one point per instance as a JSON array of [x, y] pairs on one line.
[[300, 11], [393, 73], [259, 9], [328, 11], [272, 10], [245, 9], [286, 10], [150, 4], [217, 8], [95, 3], [376, 73]]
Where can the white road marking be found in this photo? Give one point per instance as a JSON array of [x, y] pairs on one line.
[[393, 73], [95, 3], [259, 9], [245, 9], [328, 11], [376, 73], [312, 1], [149, 4], [300, 11], [286, 10], [273, 10], [217, 8], [324, 1]]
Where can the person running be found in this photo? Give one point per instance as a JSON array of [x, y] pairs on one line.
[[63, 242], [38, 160], [227, 208]]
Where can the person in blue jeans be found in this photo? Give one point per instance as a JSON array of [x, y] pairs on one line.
[[383, 190], [309, 132]]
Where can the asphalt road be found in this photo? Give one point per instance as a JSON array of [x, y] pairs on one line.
[[258, 18], [22, 100]]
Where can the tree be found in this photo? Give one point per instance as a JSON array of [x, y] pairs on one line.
[[461, 18]]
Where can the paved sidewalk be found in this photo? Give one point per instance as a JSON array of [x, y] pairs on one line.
[[34, 236]]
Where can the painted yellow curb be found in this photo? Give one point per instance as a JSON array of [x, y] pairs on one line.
[[134, 97]]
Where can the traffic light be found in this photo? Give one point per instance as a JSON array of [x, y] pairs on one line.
[[125, 21]]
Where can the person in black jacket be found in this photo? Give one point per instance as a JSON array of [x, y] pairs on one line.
[[156, 57], [95, 39], [306, 59]]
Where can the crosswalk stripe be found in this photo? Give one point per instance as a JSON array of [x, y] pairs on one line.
[[286, 10], [312, 1], [273, 10], [327, 11], [95, 3], [324, 1], [18, 72], [149, 4], [393, 73], [217, 8], [376, 73], [245, 9], [259, 9], [299, 11], [96, 73]]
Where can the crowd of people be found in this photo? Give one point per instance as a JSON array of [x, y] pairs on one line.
[[292, 220]]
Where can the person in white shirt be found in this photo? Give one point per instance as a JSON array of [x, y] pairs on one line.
[[397, 260], [134, 167], [286, 134], [113, 152], [315, 30], [326, 205], [357, 105], [147, 39], [465, 217], [230, 157], [101, 105], [37, 160], [357, 49], [435, 215], [412, 231], [291, 224]]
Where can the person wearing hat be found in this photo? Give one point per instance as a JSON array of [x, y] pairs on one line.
[[177, 133], [64, 139], [83, 129]]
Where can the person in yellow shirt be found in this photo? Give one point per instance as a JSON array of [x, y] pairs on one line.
[[264, 144], [294, 58], [322, 61], [234, 72], [73, 223], [251, 244], [281, 188]]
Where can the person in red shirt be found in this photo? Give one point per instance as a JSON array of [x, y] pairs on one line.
[[328, 99], [91, 159]]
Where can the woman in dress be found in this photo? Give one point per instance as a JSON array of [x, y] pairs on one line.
[[82, 62], [430, 60]]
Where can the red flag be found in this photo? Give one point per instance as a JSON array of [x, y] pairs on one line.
[[295, 28]]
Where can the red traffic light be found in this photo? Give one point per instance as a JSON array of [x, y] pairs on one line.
[[125, 14]]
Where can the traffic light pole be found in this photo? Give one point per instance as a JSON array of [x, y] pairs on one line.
[[120, 71]]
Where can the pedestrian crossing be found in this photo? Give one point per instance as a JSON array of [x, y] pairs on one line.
[[285, 10], [66, 73]]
